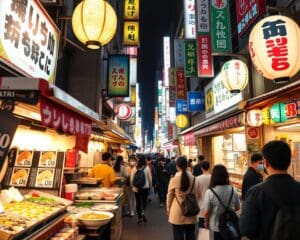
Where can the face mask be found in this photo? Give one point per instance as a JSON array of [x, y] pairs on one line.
[[260, 167], [132, 163]]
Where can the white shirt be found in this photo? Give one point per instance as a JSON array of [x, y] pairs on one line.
[[203, 183], [148, 178]]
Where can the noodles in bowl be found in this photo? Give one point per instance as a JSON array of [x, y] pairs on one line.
[[94, 219]]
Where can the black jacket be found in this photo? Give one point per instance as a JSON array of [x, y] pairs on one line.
[[251, 178], [162, 175], [259, 210], [197, 170]]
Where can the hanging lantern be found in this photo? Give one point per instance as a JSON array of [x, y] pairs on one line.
[[266, 118], [182, 121], [274, 46], [235, 75], [94, 23], [254, 118], [278, 113]]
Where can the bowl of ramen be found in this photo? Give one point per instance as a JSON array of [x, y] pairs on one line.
[[94, 219]]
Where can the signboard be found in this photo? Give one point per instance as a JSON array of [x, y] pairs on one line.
[[247, 12], [172, 96], [124, 111], [24, 96], [189, 19], [159, 93], [220, 23], [180, 84], [179, 53], [131, 33], [203, 23], [167, 61], [181, 106], [205, 58], [196, 102], [190, 58], [132, 51], [29, 39], [133, 71], [118, 76], [131, 9], [172, 77]]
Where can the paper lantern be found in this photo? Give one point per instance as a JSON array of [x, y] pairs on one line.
[[235, 75], [274, 46], [254, 118], [278, 113], [266, 118], [182, 121], [94, 23]]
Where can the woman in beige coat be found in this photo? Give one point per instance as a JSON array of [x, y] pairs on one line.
[[179, 186]]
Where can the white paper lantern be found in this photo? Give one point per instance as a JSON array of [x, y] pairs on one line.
[[274, 46], [235, 75], [254, 118]]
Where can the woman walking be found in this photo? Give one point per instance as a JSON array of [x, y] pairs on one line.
[[182, 183], [130, 195]]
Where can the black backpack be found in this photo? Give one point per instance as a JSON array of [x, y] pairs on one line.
[[139, 179], [228, 221]]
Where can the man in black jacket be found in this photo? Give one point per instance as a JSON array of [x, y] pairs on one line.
[[197, 168], [261, 203], [252, 176]]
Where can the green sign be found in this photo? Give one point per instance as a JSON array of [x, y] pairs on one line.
[[190, 60], [220, 24]]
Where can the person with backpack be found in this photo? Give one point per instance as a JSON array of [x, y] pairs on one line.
[[141, 180], [220, 203], [181, 185], [162, 180], [271, 209]]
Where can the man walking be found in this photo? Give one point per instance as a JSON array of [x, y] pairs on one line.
[[197, 168]]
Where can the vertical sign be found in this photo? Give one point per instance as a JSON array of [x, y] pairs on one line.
[[190, 58], [179, 53], [160, 100], [172, 98], [196, 102], [181, 106], [118, 76], [167, 60], [131, 33], [133, 71], [172, 76], [189, 19], [220, 22], [131, 9], [180, 84]]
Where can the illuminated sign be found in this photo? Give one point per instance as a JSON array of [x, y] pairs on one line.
[[131, 33], [189, 19], [167, 60]]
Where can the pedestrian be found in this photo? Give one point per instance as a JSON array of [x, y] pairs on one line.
[[253, 175], [266, 200], [152, 170], [203, 183], [197, 168], [120, 171], [162, 180], [141, 194], [190, 165], [212, 207], [171, 166], [179, 186], [130, 195]]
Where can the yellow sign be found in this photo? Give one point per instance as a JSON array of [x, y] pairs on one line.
[[133, 95], [131, 34], [131, 9], [182, 121], [209, 100]]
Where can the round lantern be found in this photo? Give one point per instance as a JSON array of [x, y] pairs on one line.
[[274, 45], [254, 118], [278, 113], [182, 121], [94, 23], [124, 111], [266, 118], [235, 75]]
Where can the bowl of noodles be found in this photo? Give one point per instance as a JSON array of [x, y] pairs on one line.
[[94, 218]]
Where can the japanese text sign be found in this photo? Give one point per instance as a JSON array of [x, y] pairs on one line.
[[131, 9], [172, 96], [189, 19], [203, 22], [196, 101], [118, 76], [180, 84], [205, 58], [247, 12], [29, 39], [131, 33], [220, 23], [179, 52], [190, 58], [181, 106]]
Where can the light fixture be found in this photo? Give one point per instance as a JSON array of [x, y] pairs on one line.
[[292, 126], [94, 23]]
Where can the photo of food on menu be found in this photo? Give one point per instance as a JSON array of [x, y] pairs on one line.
[[47, 159], [44, 178], [19, 177], [24, 158]]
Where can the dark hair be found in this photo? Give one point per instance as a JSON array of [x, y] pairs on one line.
[[148, 158], [205, 165], [255, 157], [141, 162], [162, 159], [184, 182], [106, 156], [277, 154], [219, 176], [118, 163], [201, 158]]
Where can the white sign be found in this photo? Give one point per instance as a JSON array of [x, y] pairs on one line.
[[133, 71], [203, 25], [189, 19], [29, 39], [167, 60]]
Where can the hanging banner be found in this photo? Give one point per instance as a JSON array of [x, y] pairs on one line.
[[220, 23], [131, 33], [196, 102], [131, 9], [247, 12], [118, 76], [189, 19], [180, 84], [29, 39], [179, 53], [190, 58], [205, 58], [203, 23], [181, 106]]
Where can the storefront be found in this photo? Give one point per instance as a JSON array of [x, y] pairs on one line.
[[171, 148], [188, 145]]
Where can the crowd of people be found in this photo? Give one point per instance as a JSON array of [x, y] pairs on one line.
[[173, 179]]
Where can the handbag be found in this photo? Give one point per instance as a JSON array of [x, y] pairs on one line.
[[189, 205]]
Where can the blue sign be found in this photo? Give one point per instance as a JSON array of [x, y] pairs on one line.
[[196, 102], [181, 106]]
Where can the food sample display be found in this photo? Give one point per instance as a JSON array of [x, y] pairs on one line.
[[96, 196], [14, 224]]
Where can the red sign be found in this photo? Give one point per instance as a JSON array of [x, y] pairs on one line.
[[124, 111], [132, 51], [205, 59], [189, 139], [170, 130], [172, 96], [180, 84], [247, 11], [253, 132]]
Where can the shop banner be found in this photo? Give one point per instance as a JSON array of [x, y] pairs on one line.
[[247, 12], [131, 33], [131, 9], [196, 102], [205, 58], [118, 76], [24, 96], [8, 128], [172, 96], [189, 139], [180, 84], [190, 58], [170, 130], [181, 107], [29, 39], [253, 139], [179, 53], [172, 77], [220, 23], [189, 19], [203, 23]]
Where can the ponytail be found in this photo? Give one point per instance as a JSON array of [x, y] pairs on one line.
[[184, 181]]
